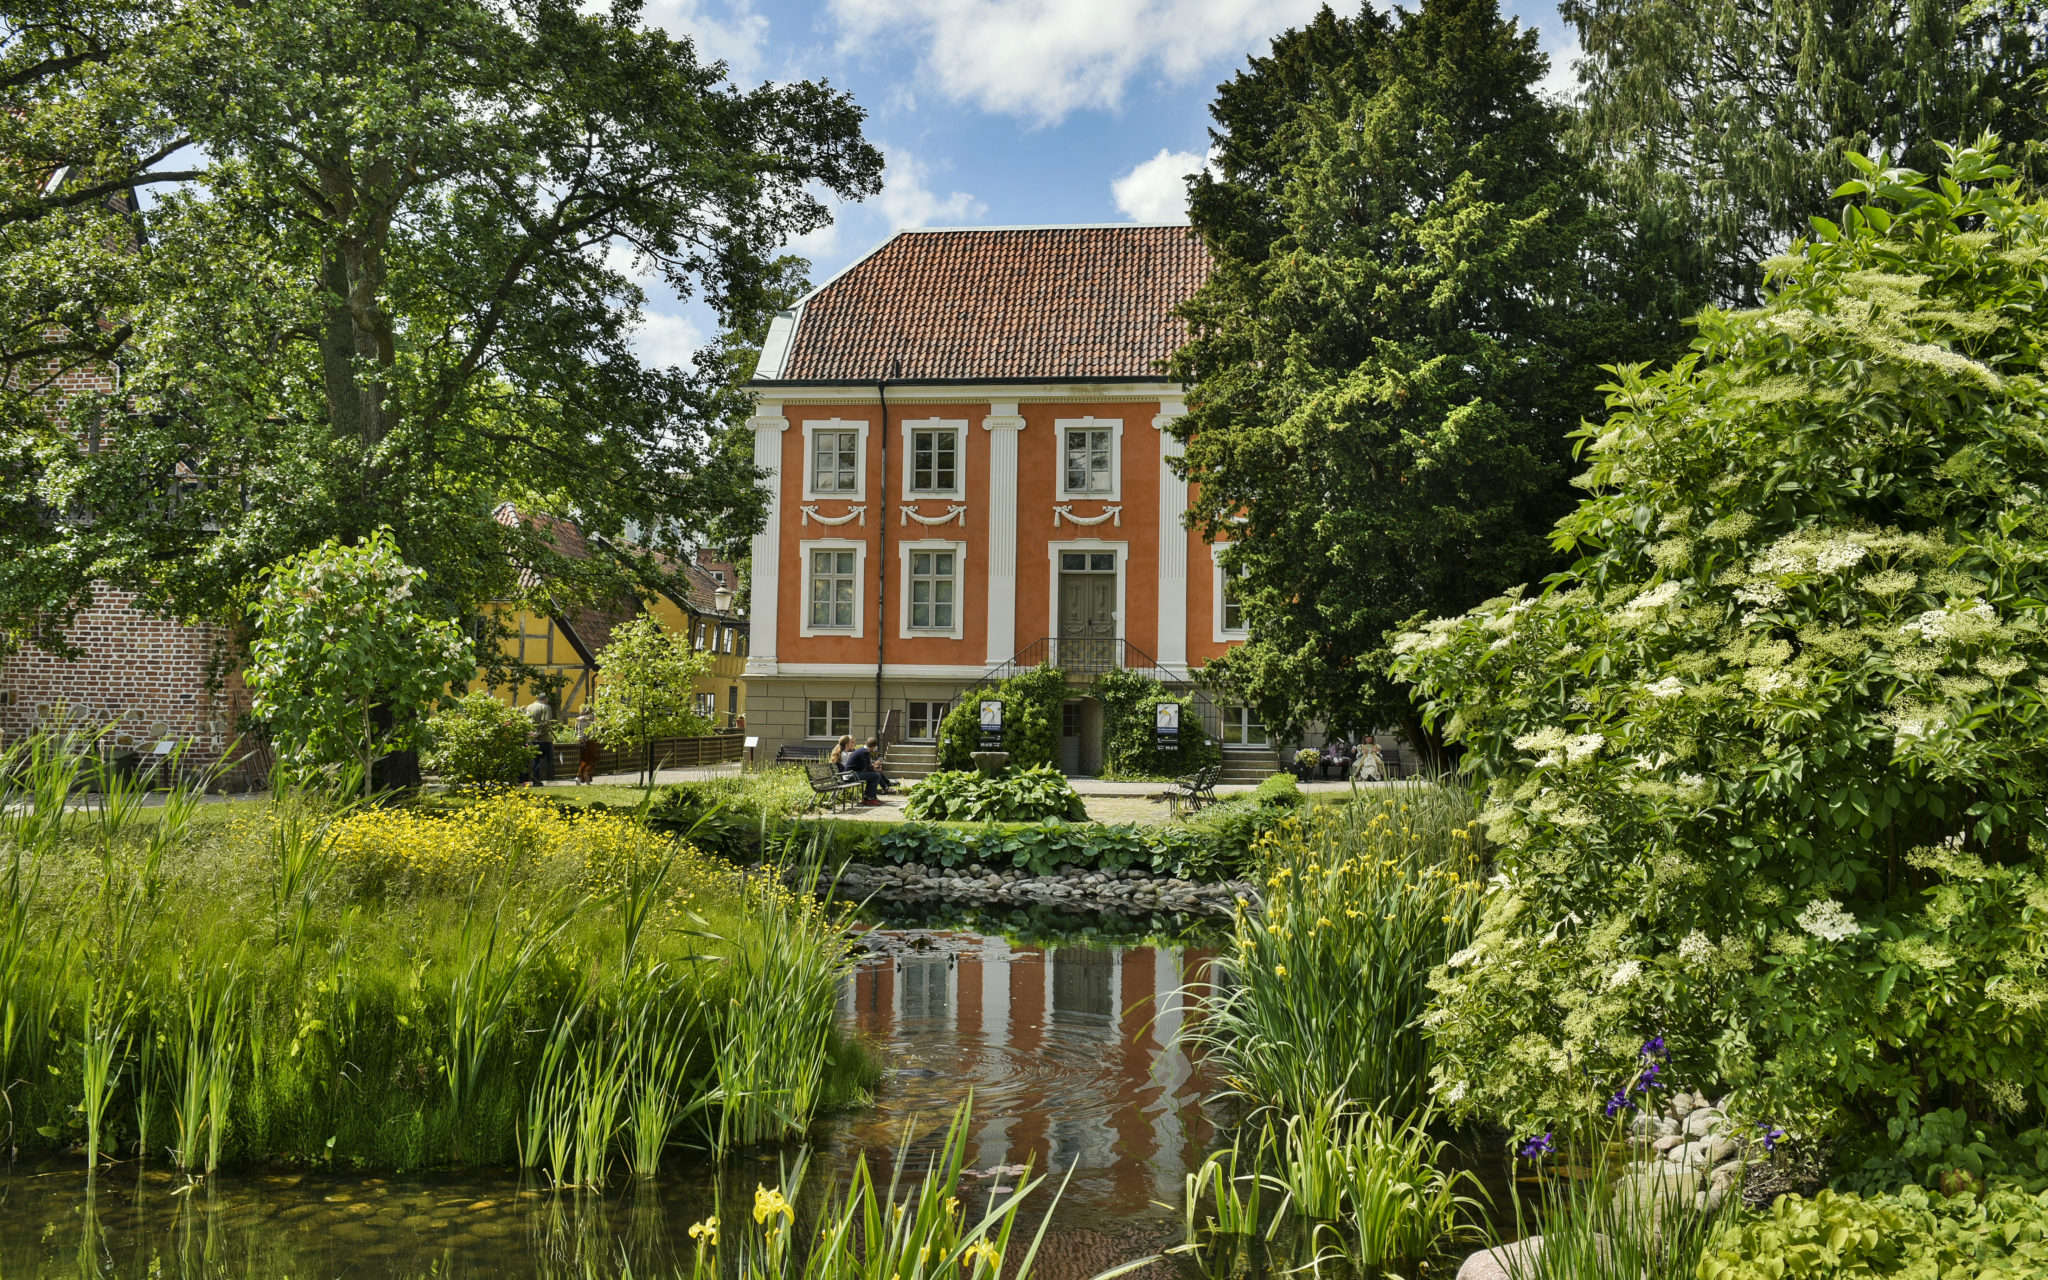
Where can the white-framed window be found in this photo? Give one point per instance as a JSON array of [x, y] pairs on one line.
[[703, 635], [725, 645], [932, 587], [835, 458], [832, 587], [934, 458], [707, 705], [1243, 728], [922, 724], [1089, 461], [827, 717], [1229, 610]]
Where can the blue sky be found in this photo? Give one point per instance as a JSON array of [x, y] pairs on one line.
[[998, 112]]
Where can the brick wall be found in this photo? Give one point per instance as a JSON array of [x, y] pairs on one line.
[[143, 674]]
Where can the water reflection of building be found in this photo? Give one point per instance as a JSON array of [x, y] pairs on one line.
[[1070, 1052]]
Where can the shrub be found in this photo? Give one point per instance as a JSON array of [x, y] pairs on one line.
[[1016, 795], [1280, 791], [1031, 719], [1130, 738], [1914, 1233], [479, 740], [1041, 848], [1764, 767]]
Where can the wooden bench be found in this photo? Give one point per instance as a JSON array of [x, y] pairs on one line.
[[829, 786], [1193, 790], [799, 752]]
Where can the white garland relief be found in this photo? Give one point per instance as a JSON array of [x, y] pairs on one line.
[[852, 513], [954, 511], [1108, 513]]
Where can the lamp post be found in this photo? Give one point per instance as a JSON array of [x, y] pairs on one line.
[[721, 599]]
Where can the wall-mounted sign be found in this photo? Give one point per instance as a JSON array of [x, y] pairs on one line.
[[1166, 726]]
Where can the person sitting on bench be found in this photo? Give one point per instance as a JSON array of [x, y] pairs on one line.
[[860, 763]]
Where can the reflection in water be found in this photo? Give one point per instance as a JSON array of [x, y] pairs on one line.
[[1067, 1050]]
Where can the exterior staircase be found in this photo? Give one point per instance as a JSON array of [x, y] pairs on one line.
[[1248, 767], [909, 761]]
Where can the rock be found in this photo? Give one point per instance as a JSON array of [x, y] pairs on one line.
[[1502, 1262], [1701, 1122], [1725, 1176], [1667, 1142], [1666, 1127], [1714, 1150]]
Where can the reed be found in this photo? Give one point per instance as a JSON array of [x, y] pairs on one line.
[[301, 979], [1599, 1222], [1321, 995]]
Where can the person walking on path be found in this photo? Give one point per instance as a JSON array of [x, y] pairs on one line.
[[588, 749], [860, 763], [542, 738]]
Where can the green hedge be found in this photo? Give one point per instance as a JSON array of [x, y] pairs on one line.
[[1031, 721], [1130, 740]]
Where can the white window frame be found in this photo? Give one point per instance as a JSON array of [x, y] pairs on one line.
[[859, 492], [1115, 426], [1123, 580], [860, 577], [959, 628], [1243, 715], [958, 426], [725, 641], [828, 735], [1223, 634], [936, 723]]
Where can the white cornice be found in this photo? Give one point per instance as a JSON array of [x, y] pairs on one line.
[[976, 393]]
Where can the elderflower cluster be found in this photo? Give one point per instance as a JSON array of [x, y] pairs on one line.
[[1825, 919]]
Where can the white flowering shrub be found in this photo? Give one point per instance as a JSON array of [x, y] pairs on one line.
[[1766, 768], [346, 662]]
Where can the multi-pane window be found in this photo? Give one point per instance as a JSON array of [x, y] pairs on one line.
[[832, 588], [931, 589], [925, 719], [828, 717], [726, 647], [835, 461], [1087, 562], [1088, 460], [934, 460], [1233, 608], [703, 632], [1243, 728], [707, 705]]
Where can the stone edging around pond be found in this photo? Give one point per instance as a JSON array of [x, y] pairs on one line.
[[1128, 891]]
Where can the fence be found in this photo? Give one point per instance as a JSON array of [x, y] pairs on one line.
[[668, 753]]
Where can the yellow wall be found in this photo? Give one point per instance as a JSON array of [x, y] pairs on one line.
[[539, 642]]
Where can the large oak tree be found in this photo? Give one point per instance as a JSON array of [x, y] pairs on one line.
[[367, 263]]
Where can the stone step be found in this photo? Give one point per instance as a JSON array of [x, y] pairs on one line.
[[1248, 768], [910, 761]]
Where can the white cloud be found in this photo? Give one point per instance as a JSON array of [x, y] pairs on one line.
[[1157, 190], [723, 30], [907, 202], [665, 338], [1043, 59], [1561, 82]]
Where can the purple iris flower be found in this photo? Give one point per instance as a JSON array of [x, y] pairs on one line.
[[1648, 1080], [1619, 1102], [1653, 1047], [1540, 1145], [1771, 1136]]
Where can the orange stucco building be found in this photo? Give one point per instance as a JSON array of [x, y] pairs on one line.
[[967, 435]]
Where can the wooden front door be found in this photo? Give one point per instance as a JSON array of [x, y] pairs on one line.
[[1087, 613]]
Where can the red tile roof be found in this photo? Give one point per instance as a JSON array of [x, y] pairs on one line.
[[1077, 303]]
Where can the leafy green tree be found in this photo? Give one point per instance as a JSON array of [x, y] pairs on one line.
[[1765, 769], [645, 679], [398, 285], [349, 656], [1414, 289], [479, 740], [1726, 124]]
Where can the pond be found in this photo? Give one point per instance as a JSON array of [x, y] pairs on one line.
[[1063, 1030]]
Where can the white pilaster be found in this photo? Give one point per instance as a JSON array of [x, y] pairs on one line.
[[768, 424], [1003, 426], [1173, 544]]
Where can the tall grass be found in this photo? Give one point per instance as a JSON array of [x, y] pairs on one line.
[[382, 986], [1600, 1222], [1322, 994]]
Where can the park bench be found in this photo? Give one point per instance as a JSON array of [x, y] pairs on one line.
[[1193, 790], [799, 752], [828, 785]]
